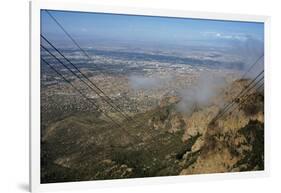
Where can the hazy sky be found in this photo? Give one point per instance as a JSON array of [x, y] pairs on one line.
[[143, 28]]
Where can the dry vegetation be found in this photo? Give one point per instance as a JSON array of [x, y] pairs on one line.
[[162, 141]]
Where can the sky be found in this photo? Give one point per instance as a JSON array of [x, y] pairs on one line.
[[99, 26]]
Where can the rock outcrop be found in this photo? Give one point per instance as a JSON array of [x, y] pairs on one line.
[[232, 143]]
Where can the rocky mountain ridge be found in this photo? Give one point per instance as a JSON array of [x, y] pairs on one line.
[[161, 142]]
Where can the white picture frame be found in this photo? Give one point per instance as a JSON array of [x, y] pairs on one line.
[[36, 6]]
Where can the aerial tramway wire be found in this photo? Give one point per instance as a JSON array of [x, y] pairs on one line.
[[252, 66], [88, 99], [245, 99], [50, 53], [106, 98], [77, 45], [246, 95], [70, 37], [237, 96], [248, 90], [47, 50], [79, 91], [233, 102]]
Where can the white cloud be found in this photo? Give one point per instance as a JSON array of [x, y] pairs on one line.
[[230, 36]]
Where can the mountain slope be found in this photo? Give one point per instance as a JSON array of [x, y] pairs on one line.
[[160, 142]]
